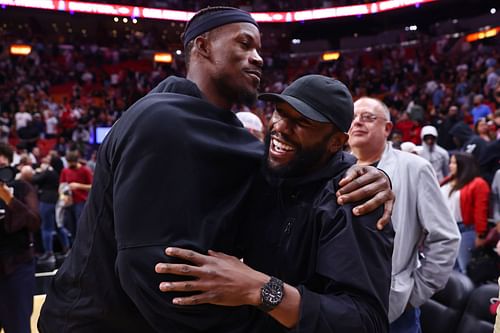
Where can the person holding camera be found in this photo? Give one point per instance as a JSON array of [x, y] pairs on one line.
[[46, 179], [19, 218]]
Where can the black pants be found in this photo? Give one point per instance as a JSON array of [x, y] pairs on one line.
[[16, 295]]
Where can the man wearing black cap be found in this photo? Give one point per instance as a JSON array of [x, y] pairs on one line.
[[336, 267], [173, 171]]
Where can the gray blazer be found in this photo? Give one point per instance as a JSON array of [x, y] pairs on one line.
[[421, 220]]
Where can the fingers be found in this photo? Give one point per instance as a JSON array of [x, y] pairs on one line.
[[221, 255], [178, 269], [376, 201], [386, 217], [352, 173], [192, 256], [367, 182], [362, 188], [193, 285], [206, 297]]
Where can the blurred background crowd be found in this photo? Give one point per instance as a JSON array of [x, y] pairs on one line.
[[58, 102]]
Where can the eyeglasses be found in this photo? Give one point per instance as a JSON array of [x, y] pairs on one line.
[[366, 117]]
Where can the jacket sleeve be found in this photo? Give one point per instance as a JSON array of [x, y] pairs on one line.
[[446, 163], [354, 260], [495, 188], [481, 197], [23, 212], [440, 245]]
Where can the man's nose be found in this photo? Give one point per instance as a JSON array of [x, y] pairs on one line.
[[355, 120], [256, 59]]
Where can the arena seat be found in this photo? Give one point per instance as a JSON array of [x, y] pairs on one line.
[[46, 145], [442, 313], [477, 317]]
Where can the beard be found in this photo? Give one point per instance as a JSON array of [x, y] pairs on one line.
[[303, 161], [236, 94]]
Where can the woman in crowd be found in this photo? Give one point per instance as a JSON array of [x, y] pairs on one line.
[[482, 129], [468, 196]]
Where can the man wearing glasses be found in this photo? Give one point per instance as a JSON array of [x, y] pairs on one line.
[[427, 238]]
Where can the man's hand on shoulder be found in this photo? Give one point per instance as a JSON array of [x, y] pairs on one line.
[[362, 182]]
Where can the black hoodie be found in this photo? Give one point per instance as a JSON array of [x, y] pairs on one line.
[[469, 141], [171, 172]]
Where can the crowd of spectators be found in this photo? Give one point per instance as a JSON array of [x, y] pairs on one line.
[[54, 98]]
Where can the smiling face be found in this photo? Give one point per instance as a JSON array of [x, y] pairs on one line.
[[236, 63], [369, 126], [369, 130], [296, 145]]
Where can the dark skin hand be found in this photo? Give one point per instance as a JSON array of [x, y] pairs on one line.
[[225, 280], [362, 182]]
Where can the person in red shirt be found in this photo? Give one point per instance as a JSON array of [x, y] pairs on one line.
[[75, 181]]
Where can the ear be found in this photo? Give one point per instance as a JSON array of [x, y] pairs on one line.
[[388, 128], [202, 46], [337, 142]]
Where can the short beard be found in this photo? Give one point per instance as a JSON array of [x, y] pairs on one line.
[[302, 162], [237, 95]]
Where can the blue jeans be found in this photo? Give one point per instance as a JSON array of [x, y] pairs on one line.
[[48, 215], [466, 245], [16, 295], [408, 322], [72, 215]]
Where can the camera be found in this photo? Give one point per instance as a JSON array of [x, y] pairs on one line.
[[7, 174]]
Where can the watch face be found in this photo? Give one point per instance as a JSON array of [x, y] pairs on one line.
[[272, 293]]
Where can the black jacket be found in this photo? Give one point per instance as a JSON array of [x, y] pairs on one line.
[[171, 172], [18, 221], [339, 262], [47, 182]]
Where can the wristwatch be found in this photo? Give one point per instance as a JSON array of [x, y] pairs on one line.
[[271, 294]]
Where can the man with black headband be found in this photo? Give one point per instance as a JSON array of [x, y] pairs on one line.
[[174, 171]]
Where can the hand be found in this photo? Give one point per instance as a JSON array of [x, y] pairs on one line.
[[479, 242], [221, 279], [74, 186], [5, 193], [367, 182]]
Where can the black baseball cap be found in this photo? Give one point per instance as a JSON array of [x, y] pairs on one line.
[[319, 98]]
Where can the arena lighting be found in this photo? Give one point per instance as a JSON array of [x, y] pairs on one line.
[[330, 56], [20, 49], [482, 34], [177, 15], [163, 57]]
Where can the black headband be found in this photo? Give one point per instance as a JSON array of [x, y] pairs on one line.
[[212, 20]]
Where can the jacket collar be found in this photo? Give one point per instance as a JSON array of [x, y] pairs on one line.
[[178, 85]]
